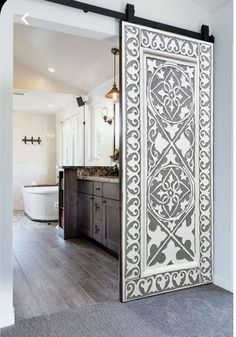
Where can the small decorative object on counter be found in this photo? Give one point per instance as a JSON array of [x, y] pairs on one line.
[[114, 171]]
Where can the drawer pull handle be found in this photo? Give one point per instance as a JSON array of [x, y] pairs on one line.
[[97, 230], [104, 201], [98, 188]]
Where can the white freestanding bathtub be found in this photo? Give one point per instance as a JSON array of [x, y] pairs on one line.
[[41, 203]]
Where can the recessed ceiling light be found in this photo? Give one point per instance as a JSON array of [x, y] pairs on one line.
[[51, 70], [50, 106]]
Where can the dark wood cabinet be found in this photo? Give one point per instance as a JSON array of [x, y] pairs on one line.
[[111, 191], [99, 212], [68, 225], [90, 208], [111, 224], [85, 216], [85, 187]]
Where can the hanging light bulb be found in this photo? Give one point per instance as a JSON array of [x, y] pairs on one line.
[[114, 93]]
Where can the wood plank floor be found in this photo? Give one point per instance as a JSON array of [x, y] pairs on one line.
[[51, 274]]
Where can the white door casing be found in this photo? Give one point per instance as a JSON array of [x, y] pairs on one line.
[[167, 161]]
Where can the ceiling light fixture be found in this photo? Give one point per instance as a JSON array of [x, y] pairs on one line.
[[114, 93], [50, 106], [51, 70]]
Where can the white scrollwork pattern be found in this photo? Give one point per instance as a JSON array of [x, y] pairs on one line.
[[170, 44], [205, 161], [132, 107]]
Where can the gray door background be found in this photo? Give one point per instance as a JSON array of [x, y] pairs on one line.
[[167, 162]]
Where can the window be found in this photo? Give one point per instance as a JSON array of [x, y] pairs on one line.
[[71, 154]]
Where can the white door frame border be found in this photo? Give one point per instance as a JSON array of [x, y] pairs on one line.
[[45, 15]]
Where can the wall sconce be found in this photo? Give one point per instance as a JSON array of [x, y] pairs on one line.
[[105, 115]]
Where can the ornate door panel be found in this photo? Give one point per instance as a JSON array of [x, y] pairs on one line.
[[167, 160]]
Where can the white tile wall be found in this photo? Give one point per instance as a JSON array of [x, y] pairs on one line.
[[33, 163]]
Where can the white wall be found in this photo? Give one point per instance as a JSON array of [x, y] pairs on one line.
[[33, 163], [223, 120], [182, 13]]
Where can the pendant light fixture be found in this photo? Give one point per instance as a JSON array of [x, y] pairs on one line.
[[114, 93]]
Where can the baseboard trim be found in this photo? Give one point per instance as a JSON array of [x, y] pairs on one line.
[[7, 319], [223, 283]]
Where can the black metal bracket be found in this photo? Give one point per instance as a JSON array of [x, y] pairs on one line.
[[90, 8], [2, 4], [205, 34], [32, 140], [129, 16], [129, 12]]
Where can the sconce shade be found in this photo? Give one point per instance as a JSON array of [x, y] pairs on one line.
[[113, 93]]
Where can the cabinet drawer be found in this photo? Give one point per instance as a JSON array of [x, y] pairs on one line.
[[111, 191], [97, 188], [85, 186]]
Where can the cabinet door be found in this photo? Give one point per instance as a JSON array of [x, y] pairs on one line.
[[97, 219], [85, 214], [111, 191], [111, 224]]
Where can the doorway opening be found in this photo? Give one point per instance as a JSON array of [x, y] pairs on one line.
[[65, 171]]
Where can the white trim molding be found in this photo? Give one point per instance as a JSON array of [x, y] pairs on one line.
[[7, 318], [223, 283]]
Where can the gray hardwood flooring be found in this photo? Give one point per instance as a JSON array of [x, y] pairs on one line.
[[52, 275]]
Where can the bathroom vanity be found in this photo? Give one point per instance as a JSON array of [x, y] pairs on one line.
[[99, 210], [89, 205]]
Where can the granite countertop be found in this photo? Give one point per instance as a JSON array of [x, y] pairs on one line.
[[101, 179]]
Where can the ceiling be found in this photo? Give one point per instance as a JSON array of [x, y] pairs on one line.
[[79, 62], [40, 102], [211, 5]]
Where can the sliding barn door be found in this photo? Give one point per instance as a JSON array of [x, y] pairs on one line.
[[167, 162]]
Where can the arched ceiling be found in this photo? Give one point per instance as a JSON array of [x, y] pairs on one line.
[[80, 63]]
